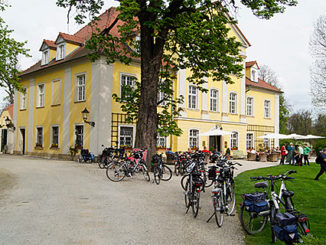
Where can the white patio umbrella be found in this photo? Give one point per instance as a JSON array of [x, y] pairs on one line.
[[215, 132], [272, 136], [310, 136], [295, 137]]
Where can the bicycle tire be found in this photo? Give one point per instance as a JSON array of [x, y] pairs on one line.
[[187, 195], [231, 196], [101, 165], [176, 169], [182, 181], [115, 172], [145, 172], [195, 203], [272, 222], [218, 212], [156, 174], [209, 183], [251, 222], [166, 173]]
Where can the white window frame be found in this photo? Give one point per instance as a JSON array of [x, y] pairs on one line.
[[211, 99], [39, 100], [267, 142], [192, 96], [23, 99], [45, 57], [235, 101], [75, 136], [36, 136], [133, 133], [269, 109], [160, 138], [122, 74], [236, 140], [78, 87], [252, 106], [190, 137], [53, 81], [61, 55], [253, 139], [160, 97], [51, 134]]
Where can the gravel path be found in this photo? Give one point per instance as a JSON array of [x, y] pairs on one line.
[[62, 202]]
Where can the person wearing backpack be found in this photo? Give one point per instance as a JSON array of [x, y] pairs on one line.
[[322, 164]]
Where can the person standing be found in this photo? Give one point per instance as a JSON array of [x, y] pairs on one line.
[[322, 164], [300, 155], [283, 154], [306, 151], [290, 157]]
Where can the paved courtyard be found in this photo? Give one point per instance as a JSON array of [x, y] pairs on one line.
[[64, 202]]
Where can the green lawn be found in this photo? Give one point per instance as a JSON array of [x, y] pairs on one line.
[[309, 197]]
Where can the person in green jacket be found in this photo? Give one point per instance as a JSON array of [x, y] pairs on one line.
[[306, 151]]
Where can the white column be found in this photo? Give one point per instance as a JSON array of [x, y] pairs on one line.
[[30, 116], [277, 116], [182, 89], [204, 101], [66, 111], [225, 100], [16, 132], [243, 98], [101, 105]]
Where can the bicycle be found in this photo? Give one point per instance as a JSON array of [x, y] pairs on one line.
[[160, 170], [180, 163], [255, 213], [107, 156], [193, 186], [223, 193], [118, 170]]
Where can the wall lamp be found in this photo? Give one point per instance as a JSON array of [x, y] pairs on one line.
[[85, 113], [9, 124]]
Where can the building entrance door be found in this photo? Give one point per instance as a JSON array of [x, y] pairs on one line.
[[3, 138], [215, 143], [22, 131]]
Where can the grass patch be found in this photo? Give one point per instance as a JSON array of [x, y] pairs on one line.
[[309, 197]]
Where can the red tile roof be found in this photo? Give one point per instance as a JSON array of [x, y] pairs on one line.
[[71, 38], [252, 63], [262, 84], [104, 21], [49, 43], [10, 109]]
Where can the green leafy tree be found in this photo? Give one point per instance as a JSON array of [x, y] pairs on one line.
[[270, 76], [174, 34], [300, 123], [10, 50]]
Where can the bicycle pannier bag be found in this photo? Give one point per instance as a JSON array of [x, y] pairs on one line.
[[284, 219], [212, 173], [287, 234], [255, 202]]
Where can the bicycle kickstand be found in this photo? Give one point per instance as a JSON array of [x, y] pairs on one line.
[[210, 217]]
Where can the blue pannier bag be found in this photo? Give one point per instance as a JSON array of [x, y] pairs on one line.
[[255, 202], [288, 233], [284, 219]]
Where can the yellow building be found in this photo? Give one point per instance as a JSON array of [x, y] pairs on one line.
[[7, 130], [64, 82]]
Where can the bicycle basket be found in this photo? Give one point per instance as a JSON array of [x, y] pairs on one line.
[[255, 202], [191, 167], [155, 158]]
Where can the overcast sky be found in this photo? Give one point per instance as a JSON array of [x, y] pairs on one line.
[[282, 43]]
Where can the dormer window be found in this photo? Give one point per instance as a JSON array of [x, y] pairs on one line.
[[61, 51], [254, 76], [45, 57]]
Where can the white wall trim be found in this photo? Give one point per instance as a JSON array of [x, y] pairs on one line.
[[277, 117], [30, 128], [65, 132]]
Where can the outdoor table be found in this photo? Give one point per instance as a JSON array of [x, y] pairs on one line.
[[262, 157]]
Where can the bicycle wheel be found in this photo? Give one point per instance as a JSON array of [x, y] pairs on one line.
[[166, 173], [145, 172], [251, 222], [218, 209], [195, 203], [157, 177], [183, 181], [115, 172], [230, 198], [177, 169], [187, 195]]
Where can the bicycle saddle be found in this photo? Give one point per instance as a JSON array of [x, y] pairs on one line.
[[261, 184], [288, 193]]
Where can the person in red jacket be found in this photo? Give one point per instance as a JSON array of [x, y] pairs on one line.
[[283, 153]]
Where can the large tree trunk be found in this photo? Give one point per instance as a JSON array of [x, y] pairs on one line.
[[146, 129]]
